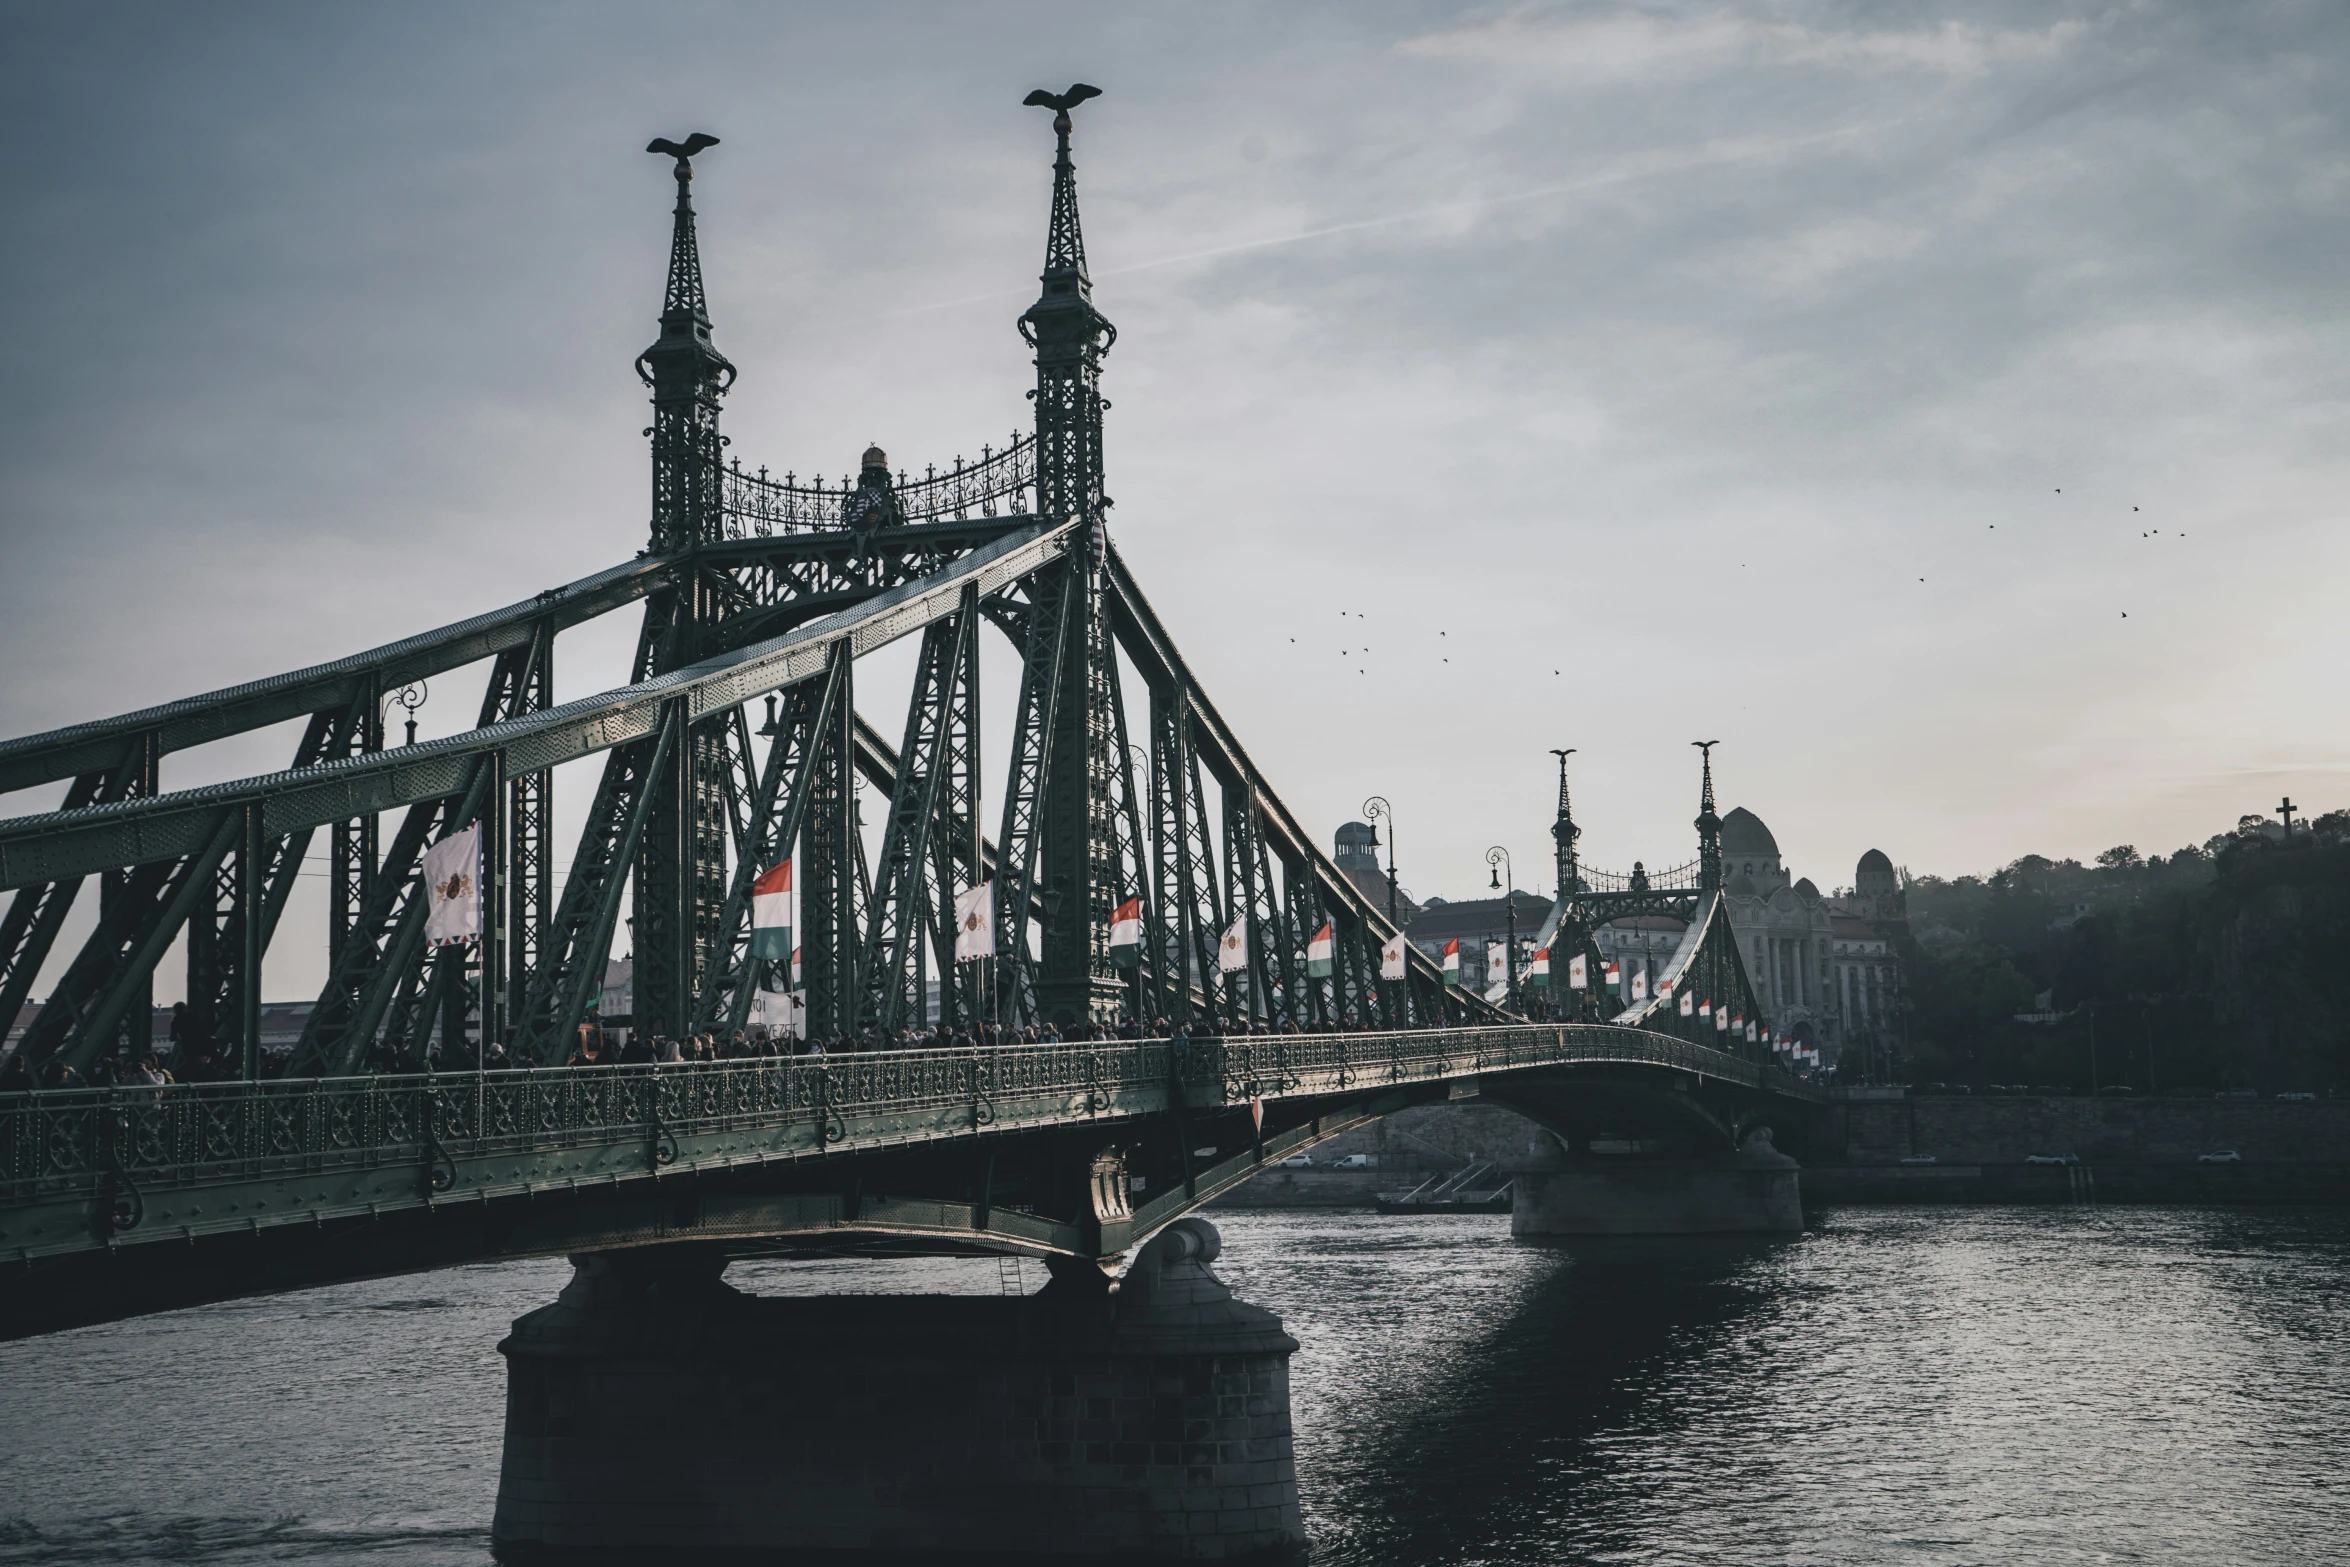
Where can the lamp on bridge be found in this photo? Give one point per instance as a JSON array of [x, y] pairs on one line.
[[1499, 858], [1377, 810]]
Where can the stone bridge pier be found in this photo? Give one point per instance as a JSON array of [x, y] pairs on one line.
[[1754, 1190], [654, 1410]]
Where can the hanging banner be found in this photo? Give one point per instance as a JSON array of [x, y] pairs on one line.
[[771, 914], [975, 923], [1640, 984], [1578, 972], [1232, 952], [1126, 934], [1391, 960], [452, 884]]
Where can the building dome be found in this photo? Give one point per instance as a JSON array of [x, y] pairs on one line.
[[875, 457], [1743, 832], [1874, 862], [1806, 891]]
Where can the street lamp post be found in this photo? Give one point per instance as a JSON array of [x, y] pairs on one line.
[[1499, 858], [1376, 810]]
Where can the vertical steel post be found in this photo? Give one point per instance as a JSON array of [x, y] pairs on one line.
[[251, 893]]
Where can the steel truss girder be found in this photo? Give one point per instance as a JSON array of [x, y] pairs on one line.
[[1033, 754], [769, 836], [1707, 967], [57, 845], [1147, 643], [830, 869], [1132, 854], [575, 947], [905, 889], [132, 935], [37, 913], [175, 726], [222, 978]]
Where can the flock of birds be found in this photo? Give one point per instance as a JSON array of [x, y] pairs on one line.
[[1350, 653]]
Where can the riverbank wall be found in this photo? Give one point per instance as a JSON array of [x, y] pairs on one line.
[[1880, 1146]]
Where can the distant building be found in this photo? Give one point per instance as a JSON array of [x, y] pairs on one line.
[[1828, 970], [1356, 854], [1473, 923]]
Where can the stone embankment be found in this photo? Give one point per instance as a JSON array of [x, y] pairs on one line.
[[1883, 1146]]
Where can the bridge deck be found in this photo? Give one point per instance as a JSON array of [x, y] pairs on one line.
[[91, 1169]]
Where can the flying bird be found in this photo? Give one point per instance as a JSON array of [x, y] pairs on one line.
[[2133, 508], [2060, 489], [699, 141]]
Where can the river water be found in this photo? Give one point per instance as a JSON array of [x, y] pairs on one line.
[[1897, 1386]]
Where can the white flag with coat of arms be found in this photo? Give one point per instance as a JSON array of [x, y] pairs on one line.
[[975, 923], [452, 882], [1232, 953]]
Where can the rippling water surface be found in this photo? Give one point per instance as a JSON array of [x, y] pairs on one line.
[[1900, 1386]]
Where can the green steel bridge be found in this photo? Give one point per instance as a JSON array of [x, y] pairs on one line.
[[759, 590]]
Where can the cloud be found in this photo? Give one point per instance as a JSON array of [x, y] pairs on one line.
[[1585, 46]]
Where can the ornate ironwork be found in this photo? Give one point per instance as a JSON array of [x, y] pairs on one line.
[[73, 1143], [1000, 483]]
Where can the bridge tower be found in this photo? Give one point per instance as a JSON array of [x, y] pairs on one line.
[[1060, 812], [1708, 824], [681, 874]]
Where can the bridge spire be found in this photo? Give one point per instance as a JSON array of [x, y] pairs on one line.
[[1070, 337], [1564, 832], [1077, 860], [1709, 825], [680, 879], [688, 375]]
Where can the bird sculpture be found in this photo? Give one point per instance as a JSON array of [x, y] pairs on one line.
[[1061, 103], [699, 141]]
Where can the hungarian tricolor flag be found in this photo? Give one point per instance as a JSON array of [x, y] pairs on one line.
[[771, 914], [1538, 968], [1452, 961], [1126, 934], [1614, 975], [1318, 954]]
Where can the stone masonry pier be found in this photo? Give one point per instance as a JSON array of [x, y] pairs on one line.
[[653, 1411]]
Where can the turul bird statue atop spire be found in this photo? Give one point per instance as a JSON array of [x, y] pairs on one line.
[[1709, 825], [688, 375]]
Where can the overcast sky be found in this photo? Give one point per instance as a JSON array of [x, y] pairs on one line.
[[1675, 372]]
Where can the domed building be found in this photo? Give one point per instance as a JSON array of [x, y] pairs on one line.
[[1869, 930], [1827, 970]]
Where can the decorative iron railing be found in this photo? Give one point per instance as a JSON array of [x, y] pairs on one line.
[[64, 1143], [1001, 483], [1671, 878]]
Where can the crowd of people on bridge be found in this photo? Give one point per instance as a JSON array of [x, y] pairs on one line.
[[194, 1059]]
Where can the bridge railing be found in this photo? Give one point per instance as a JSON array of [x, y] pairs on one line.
[[66, 1142], [757, 506]]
